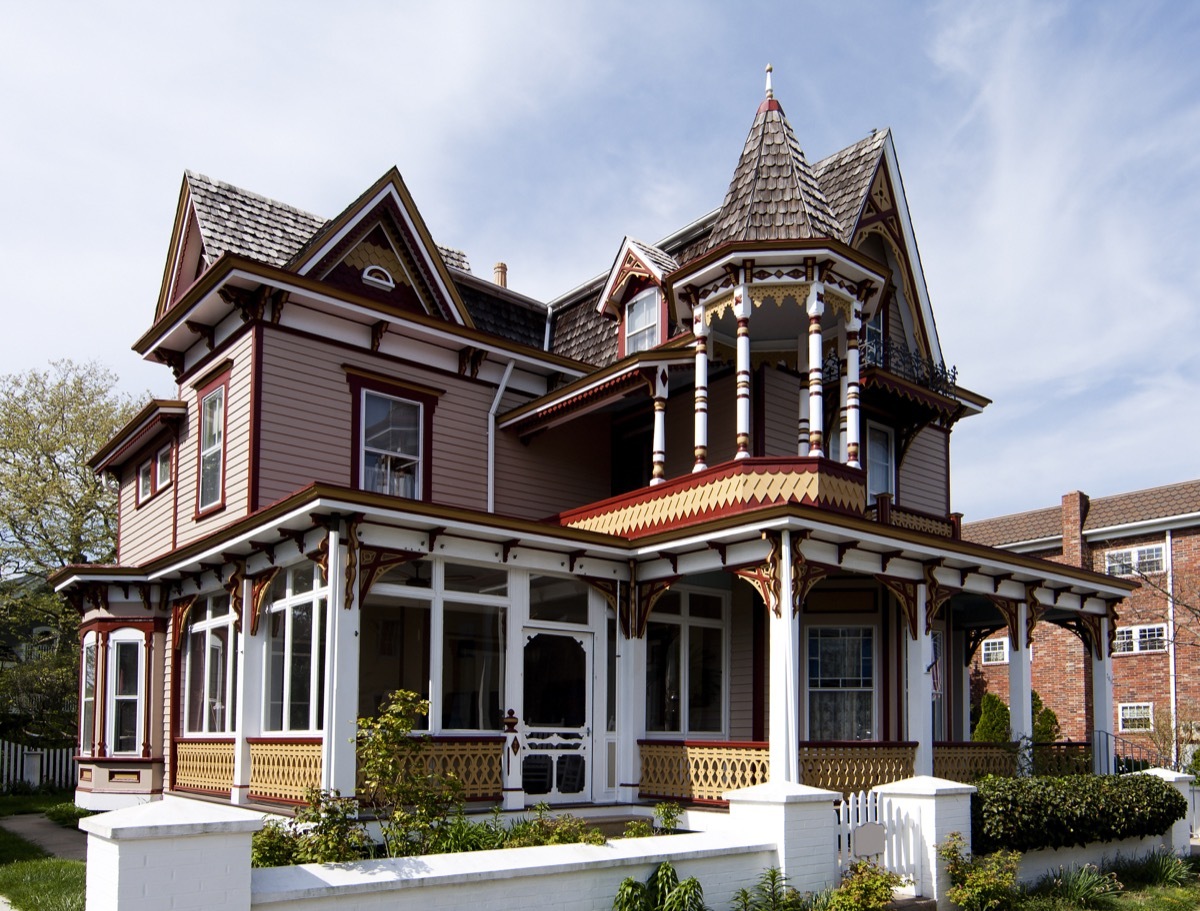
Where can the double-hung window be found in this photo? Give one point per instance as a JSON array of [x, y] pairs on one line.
[[881, 462], [212, 445], [210, 668], [687, 664], [154, 474], [995, 651], [295, 665], [641, 322], [1135, 717], [1149, 637], [841, 683], [1134, 560], [391, 445], [124, 728]]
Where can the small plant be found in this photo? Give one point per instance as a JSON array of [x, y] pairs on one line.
[[274, 845], [866, 887], [1083, 887], [663, 891], [67, 814], [993, 724], [666, 817], [638, 828], [330, 831], [1158, 868], [772, 893], [987, 883]]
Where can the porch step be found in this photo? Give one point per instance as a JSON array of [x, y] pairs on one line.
[[909, 903]]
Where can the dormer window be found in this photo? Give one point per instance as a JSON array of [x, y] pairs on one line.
[[641, 322]]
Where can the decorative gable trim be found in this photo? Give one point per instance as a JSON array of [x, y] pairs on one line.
[[388, 199], [185, 238], [631, 267]]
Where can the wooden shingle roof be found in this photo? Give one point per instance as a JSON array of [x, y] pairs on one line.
[[845, 177]]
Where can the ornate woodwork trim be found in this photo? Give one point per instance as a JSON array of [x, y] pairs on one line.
[[937, 595], [906, 592], [260, 588], [179, 614], [234, 586], [975, 637], [804, 574], [765, 576], [373, 562]]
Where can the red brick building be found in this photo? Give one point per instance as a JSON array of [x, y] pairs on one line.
[[1152, 536]]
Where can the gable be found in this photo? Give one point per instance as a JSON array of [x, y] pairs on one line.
[[383, 229]]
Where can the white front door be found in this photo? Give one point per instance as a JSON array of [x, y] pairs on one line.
[[557, 727]]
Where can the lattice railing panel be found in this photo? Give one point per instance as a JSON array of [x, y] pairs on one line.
[[967, 761], [205, 765], [284, 770], [850, 767], [700, 771], [477, 764], [1059, 759]]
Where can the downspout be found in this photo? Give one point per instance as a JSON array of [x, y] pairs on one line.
[[1171, 653], [491, 450]]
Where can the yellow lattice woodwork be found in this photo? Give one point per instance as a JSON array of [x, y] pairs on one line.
[[700, 771], [477, 764], [1058, 759], [284, 769], [748, 488], [930, 525], [204, 765], [968, 761], [852, 767]]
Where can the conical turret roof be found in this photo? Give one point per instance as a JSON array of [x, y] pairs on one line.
[[774, 194]]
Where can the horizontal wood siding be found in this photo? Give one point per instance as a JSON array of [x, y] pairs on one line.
[[681, 427], [145, 530], [237, 449], [559, 469], [741, 669], [305, 432], [923, 473], [781, 404]]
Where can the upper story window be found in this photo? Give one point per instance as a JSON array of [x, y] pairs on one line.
[[1151, 637], [641, 322], [995, 651], [881, 462], [213, 397], [1134, 560], [210, 667], [686, 664], [154, 474], [1135, 716], [391, 445]]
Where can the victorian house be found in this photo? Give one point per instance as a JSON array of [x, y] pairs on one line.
[[685, 528]]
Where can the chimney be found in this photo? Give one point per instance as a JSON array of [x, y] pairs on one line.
[[1075, 551], [500, 273]]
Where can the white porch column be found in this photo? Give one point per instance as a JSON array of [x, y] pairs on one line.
[[658, 470], [631, 714], [815, 307], [513, 791], [919, 671], [1102, 703], [249, 709], [700, 329], [741, 310], [802, 430], [1020, 679], [338, 757], [852, 390], [784, 727]]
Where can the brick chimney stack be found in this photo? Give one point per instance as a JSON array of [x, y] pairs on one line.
[[500, 274], [1075, 551]]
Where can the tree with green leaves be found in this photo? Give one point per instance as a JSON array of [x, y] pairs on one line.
[[54, 511]]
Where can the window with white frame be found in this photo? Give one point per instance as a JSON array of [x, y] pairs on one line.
[[124, 685], [209, 665], [441, 621], [687, 664], [1134, 561], [154, 474], [641, 322], [391, 445], [1149, 637], [212, 448], [87, 696], [1136, 716], [995, 651], [841, 683], [295, 659], [881, 462]]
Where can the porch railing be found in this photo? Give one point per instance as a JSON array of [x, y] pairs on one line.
[[1065, 758], [1120, 754], [967, 761], [700, 770], [284, 770], [204, 765], [476, 762], [855, 765]]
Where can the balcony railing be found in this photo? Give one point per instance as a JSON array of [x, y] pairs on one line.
[[284, 770], [908, 364], [857, 765]]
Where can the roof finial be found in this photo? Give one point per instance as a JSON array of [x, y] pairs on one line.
[[770, 92]]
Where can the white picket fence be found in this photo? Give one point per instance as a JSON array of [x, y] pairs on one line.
[[873, 827], [51, 767]]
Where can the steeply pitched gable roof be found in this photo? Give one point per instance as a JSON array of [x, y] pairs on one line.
[[774, 194], [845, 177]]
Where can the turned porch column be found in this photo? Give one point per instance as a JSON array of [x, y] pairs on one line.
[[852, 390], [815, 307], [741, 310], [658, 470], [700, 330], [784, 729]]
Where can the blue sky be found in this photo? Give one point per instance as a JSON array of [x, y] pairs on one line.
[[1050, 154]]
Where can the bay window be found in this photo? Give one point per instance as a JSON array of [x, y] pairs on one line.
[[124, 683]]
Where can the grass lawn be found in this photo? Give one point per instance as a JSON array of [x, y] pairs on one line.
[[29, 879]]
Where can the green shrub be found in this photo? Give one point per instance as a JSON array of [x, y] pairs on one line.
[[666, 816], [993, 725], [330, 831], [1024, 814], [274, 845], [772, 893], [1157, 868], [638, 828], [67, 814], [1045, 722], [981, 882], [866, 887], [545, 829], [663, 891], [1081, 887]]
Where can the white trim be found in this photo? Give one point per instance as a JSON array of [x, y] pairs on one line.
[[1003, 650], [123, 636], [419, 474], [1123, 728], [1182, 520]]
